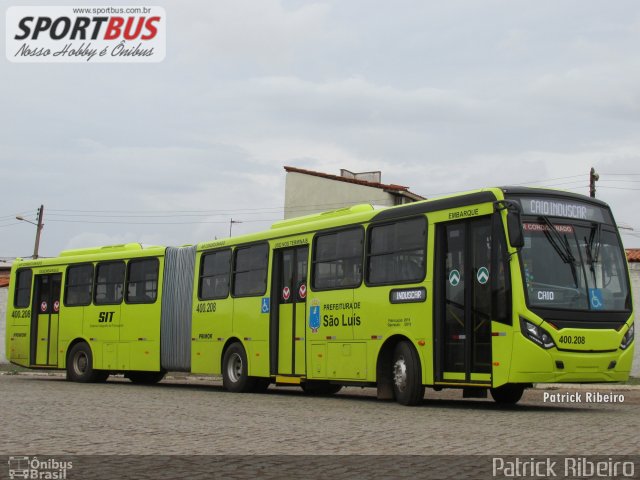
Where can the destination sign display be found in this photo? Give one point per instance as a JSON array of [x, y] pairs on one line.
[[553, 207]]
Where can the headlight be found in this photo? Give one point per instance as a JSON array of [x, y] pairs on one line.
[[628, 338], [536, 334]]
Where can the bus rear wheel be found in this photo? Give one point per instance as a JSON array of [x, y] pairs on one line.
[[235, 369], [145, 378], [407, 375], [80, 365], [508, 394]]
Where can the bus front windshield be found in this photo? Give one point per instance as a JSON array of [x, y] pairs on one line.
[[574, 265]]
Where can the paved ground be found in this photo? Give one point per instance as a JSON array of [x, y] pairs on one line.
[[45, 414], [190, 428]]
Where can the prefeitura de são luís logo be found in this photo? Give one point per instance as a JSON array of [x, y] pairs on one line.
[[85, 34]]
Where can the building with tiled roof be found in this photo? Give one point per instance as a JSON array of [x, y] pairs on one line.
[[308, 191], [5, 272], [633, 254]]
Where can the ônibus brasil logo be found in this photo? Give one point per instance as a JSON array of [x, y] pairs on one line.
[[38, 468], [85, 34]]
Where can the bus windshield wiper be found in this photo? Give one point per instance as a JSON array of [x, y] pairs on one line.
[[592, 246], [561, 246], [594, 242]]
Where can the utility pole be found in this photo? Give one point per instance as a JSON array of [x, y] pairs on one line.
[[38, 230], [593, 178], [38, 225], [231, 222]]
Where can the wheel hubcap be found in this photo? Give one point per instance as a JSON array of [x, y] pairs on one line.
[[400, 374], [234, 369], [80, 363]]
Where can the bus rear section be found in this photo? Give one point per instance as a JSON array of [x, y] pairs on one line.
[[92, 311]]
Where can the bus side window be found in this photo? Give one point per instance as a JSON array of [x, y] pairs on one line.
[[397, 252], [109, 283], [78, 285], [250, 270], [501, 282], [22, 295], [215, 270], [337, 259], [142, 280]]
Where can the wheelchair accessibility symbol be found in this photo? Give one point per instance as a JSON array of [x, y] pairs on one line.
[[595, 299], [266, 305]]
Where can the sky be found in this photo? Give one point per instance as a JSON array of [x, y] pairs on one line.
[[439, 96]]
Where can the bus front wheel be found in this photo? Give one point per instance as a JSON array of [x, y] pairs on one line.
[[80, 365], [407, 375], [508, 394], [235, 370]]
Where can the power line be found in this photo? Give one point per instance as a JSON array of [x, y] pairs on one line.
[[622, 174], [620, 188], [13, 216], [619, 181], [159, 223], [547, 180], [59, 214]]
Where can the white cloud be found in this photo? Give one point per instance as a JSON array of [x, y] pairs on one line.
[[265, 33]]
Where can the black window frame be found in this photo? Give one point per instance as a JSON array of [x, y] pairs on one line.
[[19, 288], [202, 276], [369, 255], [315, 262], [235, 270], [128, 281], [66, 284], [96, 284]]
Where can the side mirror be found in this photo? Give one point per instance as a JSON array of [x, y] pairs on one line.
[[514, 226], [514, 222]]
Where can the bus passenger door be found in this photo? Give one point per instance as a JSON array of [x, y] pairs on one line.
[[288, 315], [44, 320], [463, 302]]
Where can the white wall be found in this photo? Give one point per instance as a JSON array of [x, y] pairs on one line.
[[308, 194], [3, 320]]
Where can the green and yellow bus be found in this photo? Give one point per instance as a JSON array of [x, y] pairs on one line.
[[489, 290]]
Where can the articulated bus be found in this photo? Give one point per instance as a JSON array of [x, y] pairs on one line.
[[491, 290]]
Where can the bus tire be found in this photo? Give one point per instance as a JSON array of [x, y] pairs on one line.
[[80, 365], [146, 378], [320, 388], [235, 369], [407, 375], [508, 394]]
